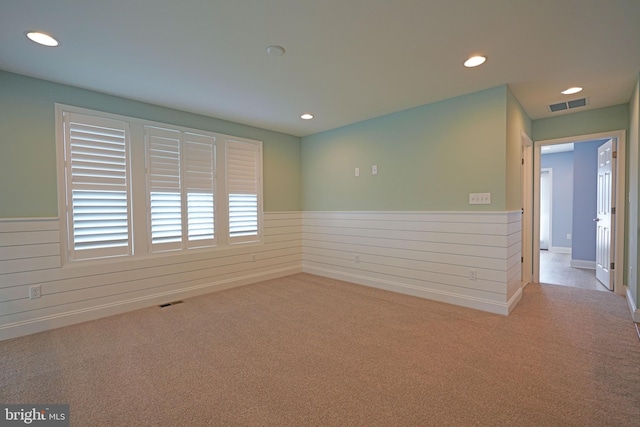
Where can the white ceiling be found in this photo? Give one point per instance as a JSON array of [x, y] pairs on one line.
[[557, 148], [345, 61]]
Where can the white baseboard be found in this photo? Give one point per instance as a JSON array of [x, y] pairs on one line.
[[580, 263], [635, 313], [39, 324], [559, 250], [436, 295], [515, 299]]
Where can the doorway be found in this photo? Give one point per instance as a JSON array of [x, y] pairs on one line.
[[568, 195], [534, 191]]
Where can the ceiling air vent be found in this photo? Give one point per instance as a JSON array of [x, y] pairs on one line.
[[577, 103], [568, 105]]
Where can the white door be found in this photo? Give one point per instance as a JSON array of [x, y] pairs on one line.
[[604, 224], [545, 208]]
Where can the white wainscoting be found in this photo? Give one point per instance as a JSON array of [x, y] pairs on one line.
[[428, 254], [30, 256]]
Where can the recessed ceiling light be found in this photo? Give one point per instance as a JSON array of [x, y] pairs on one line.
[[306, 116], [571, 90], [474, 61], [42, 38], [275, 50]]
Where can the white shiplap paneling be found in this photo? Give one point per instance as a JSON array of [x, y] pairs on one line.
[[30, 256], [427, 254]]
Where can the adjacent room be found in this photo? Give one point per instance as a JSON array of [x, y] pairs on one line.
[[319, 213], [568, 207]]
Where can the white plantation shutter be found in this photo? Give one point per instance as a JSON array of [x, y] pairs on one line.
[[200, 182], [180, 186], [164, 187], [97, 182], [243, 172], [108, 163]]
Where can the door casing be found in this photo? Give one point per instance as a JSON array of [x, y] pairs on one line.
[[527, 208]]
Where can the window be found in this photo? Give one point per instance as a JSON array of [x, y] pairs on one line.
[[243, 171], [116, 169], [180, 181], [200, 173], [96, 164], [163, 185]]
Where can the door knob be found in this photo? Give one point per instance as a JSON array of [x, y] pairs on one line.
[[596, 219]]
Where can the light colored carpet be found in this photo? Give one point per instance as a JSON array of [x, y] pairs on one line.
[[305, 350]]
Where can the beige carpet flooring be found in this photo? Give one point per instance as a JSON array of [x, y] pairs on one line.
[[305, 350]]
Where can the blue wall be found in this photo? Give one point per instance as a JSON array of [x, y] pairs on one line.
[[585, 180], [575, 178], [562, 197]]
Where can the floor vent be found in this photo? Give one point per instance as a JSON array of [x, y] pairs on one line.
[[561, 106], [170, 303]]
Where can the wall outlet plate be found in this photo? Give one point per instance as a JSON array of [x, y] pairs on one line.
[[35, 292]]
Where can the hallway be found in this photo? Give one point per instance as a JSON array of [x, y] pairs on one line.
[[555, 269]]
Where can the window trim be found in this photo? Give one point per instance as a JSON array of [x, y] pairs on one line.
[[139, 220]]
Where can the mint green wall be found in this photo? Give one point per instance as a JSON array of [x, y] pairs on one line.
[[429, 159], [633, 235], [582, 123], [28, 151], [517, 122]]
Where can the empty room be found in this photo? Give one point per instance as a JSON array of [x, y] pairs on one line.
[[292, 213]]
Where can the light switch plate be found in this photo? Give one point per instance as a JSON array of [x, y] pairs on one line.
[[479, 198]]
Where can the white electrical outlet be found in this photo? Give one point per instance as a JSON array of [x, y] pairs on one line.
[[473, 274], [568, 236], [357, 172], [374, 170], [357, 258], [35, 292]]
